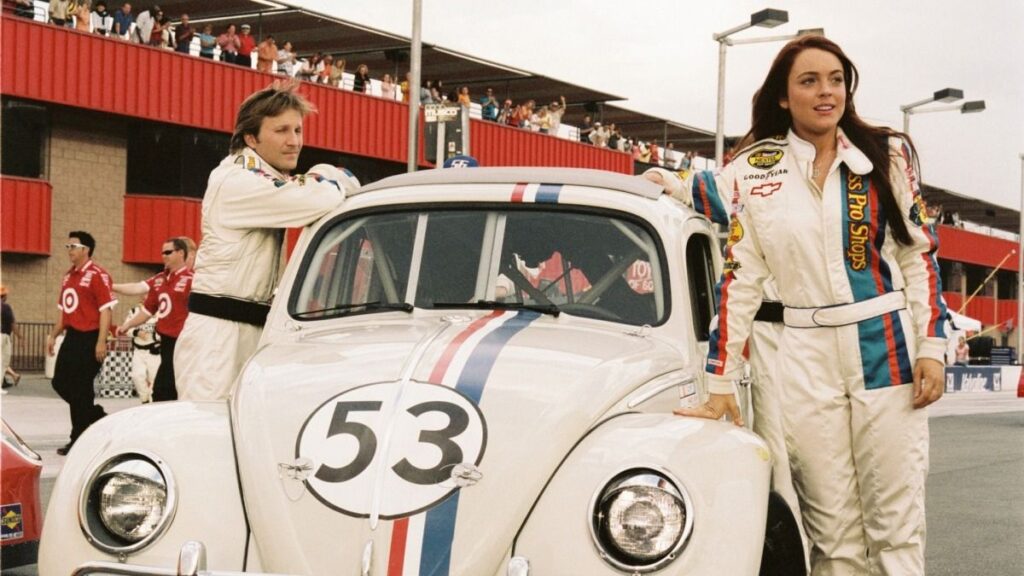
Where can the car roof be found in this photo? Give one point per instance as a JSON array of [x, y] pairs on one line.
[[515, 175]]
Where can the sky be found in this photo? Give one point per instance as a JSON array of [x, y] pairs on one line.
[[660, 56]]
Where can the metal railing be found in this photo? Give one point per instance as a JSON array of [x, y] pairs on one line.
[[30, 350]]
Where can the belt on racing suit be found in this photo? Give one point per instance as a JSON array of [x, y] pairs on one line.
[[769, 311], [228, 308], [845, 314]]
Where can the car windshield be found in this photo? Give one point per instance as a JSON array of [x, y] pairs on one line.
[[556, 261]]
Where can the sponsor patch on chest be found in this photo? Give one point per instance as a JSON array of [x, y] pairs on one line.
[[765, 159]]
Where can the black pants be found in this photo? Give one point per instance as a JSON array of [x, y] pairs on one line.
[[228, 57], [73, 379], [243, 60], [164, 387]]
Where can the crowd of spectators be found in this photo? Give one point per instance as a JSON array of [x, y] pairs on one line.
[[152, 27]]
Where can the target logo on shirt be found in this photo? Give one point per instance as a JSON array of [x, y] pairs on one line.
[[69, 300]]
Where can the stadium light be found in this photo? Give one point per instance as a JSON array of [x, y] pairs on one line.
[[944, 95], [767, 18]]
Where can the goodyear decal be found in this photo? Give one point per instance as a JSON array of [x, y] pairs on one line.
[[765, 159], [421, 545], [536, 193], [12, 523]]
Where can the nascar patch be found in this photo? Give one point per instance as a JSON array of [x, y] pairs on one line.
[[12, 524], [765, 159]]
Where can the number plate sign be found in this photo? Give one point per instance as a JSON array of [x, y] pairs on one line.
[[361, 437]]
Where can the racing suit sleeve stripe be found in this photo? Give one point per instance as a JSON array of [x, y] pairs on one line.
[[740, 292], [706, 198], [917, 260], [252, 200]]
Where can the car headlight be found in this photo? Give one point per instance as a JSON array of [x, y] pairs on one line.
[[640, 520], [127, 503]]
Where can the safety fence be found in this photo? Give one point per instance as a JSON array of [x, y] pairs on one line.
[[29, 351]]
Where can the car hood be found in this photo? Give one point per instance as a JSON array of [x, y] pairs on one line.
[[404, 441]]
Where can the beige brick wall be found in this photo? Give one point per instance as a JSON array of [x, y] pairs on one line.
[[87, 156]]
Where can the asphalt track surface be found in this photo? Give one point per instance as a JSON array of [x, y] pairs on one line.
[[975, 491]]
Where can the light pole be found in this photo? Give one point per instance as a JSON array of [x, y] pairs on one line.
[[944, 95], [415, 65], [767, 18]]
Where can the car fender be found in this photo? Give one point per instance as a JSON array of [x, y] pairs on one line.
[[723, 468], [193, 440]]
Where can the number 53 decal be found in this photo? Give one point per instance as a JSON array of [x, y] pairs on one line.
[[352, 436]]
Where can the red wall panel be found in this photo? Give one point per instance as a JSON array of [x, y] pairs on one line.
[[985, 309], [25, 215], [496, 145], [961, 245], [150, 220]]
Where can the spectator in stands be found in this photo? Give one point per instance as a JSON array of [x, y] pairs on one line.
[[124, 20], [507, 116], [435, 92], [207, 42], [85, 303], [336, 74], [463, 96], [614, 135], [144, 23], [541, 121], [426, 92], [83, 16], [404, 86], [246, 45], [266, 54], [322, 71], [165, 39], [599, 136], [489, 107], [229, 43], [555, 111], [655, 154], [305, 68], [183, 35], [586, 128], [101, 21], [59, 12], [634, 149], [362, 81], [387, 87], [286, 59], [687, 162]]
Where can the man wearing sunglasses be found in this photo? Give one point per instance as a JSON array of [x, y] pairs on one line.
[[85, 304], [168, 300]]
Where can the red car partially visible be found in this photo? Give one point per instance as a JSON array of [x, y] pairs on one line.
[[21, 519]]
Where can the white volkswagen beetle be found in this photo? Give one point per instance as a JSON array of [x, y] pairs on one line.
[[465, 372]]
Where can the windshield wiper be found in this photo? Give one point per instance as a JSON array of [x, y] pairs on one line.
[[368, 306], [496, 305]]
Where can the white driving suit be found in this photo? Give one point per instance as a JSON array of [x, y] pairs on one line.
[[860, 309], [708, 194], [246, 208]]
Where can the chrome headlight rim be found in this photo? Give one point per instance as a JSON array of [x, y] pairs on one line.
[[88, 518], [620, 479]]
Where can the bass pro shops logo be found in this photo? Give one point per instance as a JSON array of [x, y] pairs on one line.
[[856, 205], [765, 159]]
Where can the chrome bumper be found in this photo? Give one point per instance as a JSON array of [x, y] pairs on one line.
[[191, 562]]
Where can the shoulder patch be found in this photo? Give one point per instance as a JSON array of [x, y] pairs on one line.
[[772, 141], [766, 158]]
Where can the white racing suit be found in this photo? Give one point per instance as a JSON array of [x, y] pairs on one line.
[[246, 208], [860, 309], [710, 196]]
